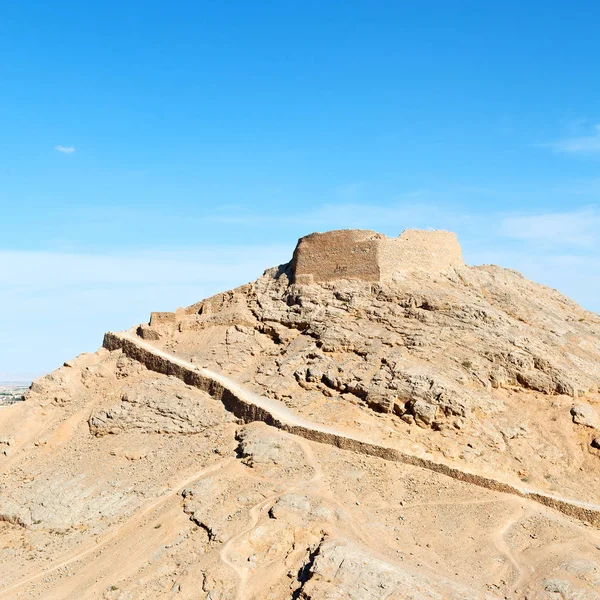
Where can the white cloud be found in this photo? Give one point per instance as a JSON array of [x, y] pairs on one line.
[[587, 144], [412, 210], [191, 266], [65, 149], [55, 305], [577, 228]]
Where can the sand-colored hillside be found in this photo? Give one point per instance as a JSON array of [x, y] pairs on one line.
[[225, 451]]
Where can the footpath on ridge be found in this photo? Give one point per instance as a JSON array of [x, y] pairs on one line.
[[250, 406]]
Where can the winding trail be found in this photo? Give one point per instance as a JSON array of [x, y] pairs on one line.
[[499, 540], [243, 572], [250, 406]]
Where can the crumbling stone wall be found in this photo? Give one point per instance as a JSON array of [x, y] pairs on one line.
[[242, 406], [160, 318], [371, 256], [418, 250], [342, 254]]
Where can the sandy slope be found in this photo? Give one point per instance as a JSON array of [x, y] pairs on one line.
[[149, 469]]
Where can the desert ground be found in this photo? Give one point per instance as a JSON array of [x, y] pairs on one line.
[[424, 432]]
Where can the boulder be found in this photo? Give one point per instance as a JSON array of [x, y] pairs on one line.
[[584, 414], [423, 412]]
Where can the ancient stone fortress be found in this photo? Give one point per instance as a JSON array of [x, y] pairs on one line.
[[355, 254], [371, 256]]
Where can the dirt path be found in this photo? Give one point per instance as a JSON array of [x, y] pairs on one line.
[[311, 485], [499, 540], [243, 573]]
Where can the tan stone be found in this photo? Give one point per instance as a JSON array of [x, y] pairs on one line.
[[157, 318], [370, 256]]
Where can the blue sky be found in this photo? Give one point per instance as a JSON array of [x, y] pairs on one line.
[[153, 153]]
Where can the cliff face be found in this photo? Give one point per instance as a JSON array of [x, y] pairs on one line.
[[373, 420]]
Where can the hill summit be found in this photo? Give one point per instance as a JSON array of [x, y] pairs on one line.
[[375, 419]]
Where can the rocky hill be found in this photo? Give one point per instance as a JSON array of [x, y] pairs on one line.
[[373, 420]]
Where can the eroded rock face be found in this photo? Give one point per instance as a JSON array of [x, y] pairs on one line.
[[154, 408], [452, 358], [342, 571]]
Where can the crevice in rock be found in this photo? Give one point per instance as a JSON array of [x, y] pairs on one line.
[[304, 573]]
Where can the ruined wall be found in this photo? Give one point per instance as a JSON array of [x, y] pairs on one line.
[[418, 250], [371, 256], [237, 402], [160, 318], [342, 254]]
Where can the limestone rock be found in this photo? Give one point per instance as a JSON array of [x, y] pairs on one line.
[[300, 509], [152, 408], [270, 451], [423, 412], [341, 571], [584, 414], [11, 512]]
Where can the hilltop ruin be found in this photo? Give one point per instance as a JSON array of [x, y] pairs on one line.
[[371, 256]]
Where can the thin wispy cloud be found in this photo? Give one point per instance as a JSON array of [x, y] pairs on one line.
[[412, 210], [65, 149], [222, 265], [576, 228], [585, 144], [54, 305], [87, 294], [349, 191]]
